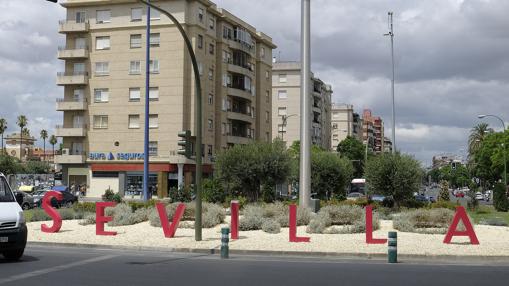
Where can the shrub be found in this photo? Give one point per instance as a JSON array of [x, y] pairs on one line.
[[182, 194], [500, 201], [271, 226], [431, 221], [122, 215], [108, 195], [340, 219], [88, 219], [483, 210], [253, 218], [212, 191], [444, 191], [212, 214], [494, 221], [444, 205], [412, 203], [39, 215], [87, 207], [242, 201], [67, 214], [135, 205]]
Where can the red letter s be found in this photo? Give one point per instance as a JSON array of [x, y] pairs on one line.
[[46, 205]]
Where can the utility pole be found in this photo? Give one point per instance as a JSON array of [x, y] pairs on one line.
[[305, 107], [146, 139], [391, 34]]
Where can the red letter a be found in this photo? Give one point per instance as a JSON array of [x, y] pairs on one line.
[[169, 230], [293, 226], [48, 208], [369, 228], [461, 214]]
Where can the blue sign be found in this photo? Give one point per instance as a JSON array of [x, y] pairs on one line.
[[120, 156]]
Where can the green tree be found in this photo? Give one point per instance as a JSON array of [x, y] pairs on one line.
[[9, 165], [500, 201], [3, 128], [457, 177], [244, 169], [213, 191], [476, 137], [488, 161], [36, 167], [394, 175], [444, 191], [53, 141], [21, 122], [330, 174], [44, 136], [353, 150]]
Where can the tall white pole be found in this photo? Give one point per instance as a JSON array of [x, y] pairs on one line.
[[391, 33], [305, 108]]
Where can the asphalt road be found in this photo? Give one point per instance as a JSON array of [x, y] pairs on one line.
[[75, 266], [434, 192]]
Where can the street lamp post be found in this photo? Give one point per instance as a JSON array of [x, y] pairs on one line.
[[284, 118], [198, 116], [503, 144], [391, 34]]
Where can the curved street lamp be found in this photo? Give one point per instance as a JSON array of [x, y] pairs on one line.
[[481, 116], [285, 119]]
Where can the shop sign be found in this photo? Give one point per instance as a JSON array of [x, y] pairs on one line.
[[97, 156]]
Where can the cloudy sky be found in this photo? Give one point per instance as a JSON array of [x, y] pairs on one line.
[[451, 57]]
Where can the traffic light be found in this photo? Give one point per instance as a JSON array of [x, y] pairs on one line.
[[185, 142]]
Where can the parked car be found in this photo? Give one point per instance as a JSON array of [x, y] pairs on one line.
[[13, 230], [38, 195], [68, 200], [377, 198], [459, 194], [479, 196], [432, 199], [422, 199], [26, 202], [354, 196]]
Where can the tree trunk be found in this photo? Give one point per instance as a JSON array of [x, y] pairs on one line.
[[21, 144], [44, 150]]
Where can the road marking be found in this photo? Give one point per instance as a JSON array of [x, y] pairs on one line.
[[54, 269]]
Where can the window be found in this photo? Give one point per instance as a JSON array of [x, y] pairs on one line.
[[282, 78], [200, 68], [211, 99], [281, 94], [101, 68], [5, 193], [209, 150], [101, 95], [134, 121], [211, 124], [212, 23], [267, 75], [224, 128], [155, 14], [281, 111], [227, 80], [335, 115], [211, 49], [155, 39], [267, 96], [136, 14], [335, 126], [267, 116], [200, 41], [154, 66], [100, 121], [211, 74], [262, 52], [152, 148], [153, 94], [134, 94], [153, 121], [227, 57], [103, 16], [227, 33], [135, 41], [135, 67], [201, 13], [102, 43]]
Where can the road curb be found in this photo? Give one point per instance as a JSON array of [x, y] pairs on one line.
[[463, 259]]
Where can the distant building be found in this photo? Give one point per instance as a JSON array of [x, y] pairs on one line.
[[443, 160], [373, 132], [13, 142], [387, 145], [39, 154], [286, 85], [344, 122]]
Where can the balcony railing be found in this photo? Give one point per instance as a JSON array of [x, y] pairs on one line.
[[71, 104], [68, 78], [68, 26], [72, 52], [76, 130]]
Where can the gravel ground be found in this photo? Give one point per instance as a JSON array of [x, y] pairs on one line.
[[494, 241]]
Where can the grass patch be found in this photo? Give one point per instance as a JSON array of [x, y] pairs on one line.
[[488, 214]]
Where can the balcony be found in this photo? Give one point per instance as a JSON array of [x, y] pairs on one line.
[[75, 131], [72, 53], [238, 140], [241, 93], [236, 115], [69, 105], [72, 78], [245, 70], [73, 26], [70, 159]]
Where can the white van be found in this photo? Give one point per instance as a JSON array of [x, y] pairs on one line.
[[13, 230]]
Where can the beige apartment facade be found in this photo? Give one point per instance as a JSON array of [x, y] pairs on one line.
[[104, 91], [286, 86], [344, 122]]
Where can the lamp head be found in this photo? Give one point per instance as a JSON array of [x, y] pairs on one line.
[[481, 116]]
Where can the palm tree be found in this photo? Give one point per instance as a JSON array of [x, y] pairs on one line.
[[477, 134], [53, 141], [44, 136], [3, 128], [22, 122]]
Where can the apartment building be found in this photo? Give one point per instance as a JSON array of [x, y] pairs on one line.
[[373, 132], [286, 86], [344, 122], [104, 91]]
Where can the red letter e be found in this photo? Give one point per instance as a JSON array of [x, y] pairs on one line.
[[100, 219]]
